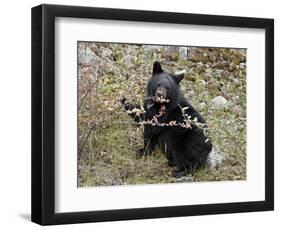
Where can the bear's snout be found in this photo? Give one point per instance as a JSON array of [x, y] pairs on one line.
[[161, 93]]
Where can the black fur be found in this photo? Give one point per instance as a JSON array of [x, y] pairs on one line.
[[185, 148]]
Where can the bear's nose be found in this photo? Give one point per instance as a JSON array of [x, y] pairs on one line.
[[159, 93]]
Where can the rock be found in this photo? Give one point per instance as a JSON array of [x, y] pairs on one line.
[[106, 52], [235, 109], [189, 94], [187, 178], [215, 158], [183, 53], [235, 80], [151, 47], [231, 67], [225, 64], [191, 51], [172, 53], [202, 82], [219, 102], [218, 65], [200, 67], [205, 58], [128, 60], [180, 72], [218, 73], [201, 106], [236, 99], [207, 76], [192, 78], [225, 74], [86, 56], [242, 65], [214, 59]]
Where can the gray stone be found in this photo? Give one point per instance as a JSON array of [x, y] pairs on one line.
[[189, 94], [242, 65], [219, 102], [86, 56], [151, 47], [235, 80], [236, 99], [106, 52], [187, 178], [172, 52], [215, 158], [180, 72], [128, 59], [171, 49], [183, 53], [201, 106]]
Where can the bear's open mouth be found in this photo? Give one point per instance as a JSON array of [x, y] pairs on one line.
[[162, 111]]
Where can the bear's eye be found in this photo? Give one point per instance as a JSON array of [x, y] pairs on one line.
[[167, 87], [158, 85]]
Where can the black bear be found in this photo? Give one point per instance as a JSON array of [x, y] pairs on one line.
[[171, 122]]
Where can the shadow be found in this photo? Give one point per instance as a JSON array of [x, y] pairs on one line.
[[25, 216]]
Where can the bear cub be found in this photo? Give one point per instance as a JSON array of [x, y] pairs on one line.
[[171, 122]]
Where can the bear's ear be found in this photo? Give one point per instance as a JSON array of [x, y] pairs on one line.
[[157, 68], [179, 77]]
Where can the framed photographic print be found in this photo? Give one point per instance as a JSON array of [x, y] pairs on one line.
[[142, 114]]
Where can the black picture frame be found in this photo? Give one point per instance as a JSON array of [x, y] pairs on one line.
[[43, 114]]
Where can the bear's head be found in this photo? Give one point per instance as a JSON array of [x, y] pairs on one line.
[[164, 86]]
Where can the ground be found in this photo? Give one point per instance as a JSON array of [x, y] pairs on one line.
[[215, 84]]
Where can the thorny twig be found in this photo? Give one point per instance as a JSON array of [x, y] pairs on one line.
[[81, 146], [86, 94], [154, 121]]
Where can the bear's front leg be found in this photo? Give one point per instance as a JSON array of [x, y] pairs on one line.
[[134, 110]]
